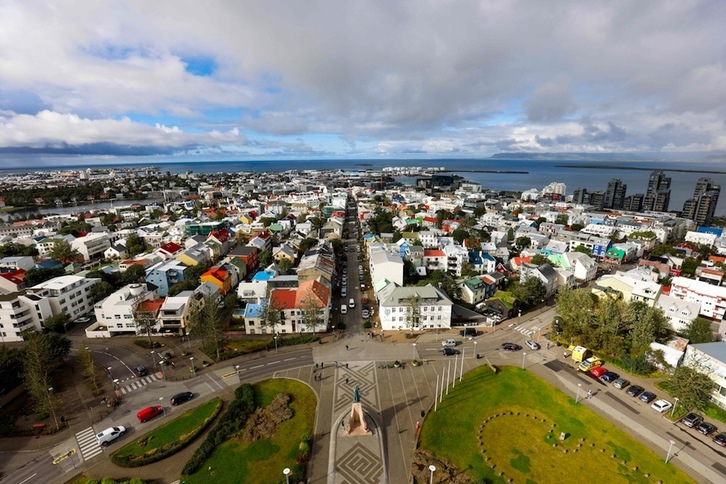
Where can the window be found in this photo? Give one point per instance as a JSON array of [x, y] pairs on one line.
[[117, 316]]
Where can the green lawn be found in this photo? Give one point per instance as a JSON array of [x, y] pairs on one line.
[[247, 346], [262, 462], [520, 443], [170, 431]]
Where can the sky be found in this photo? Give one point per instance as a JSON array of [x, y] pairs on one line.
[[100, 80]]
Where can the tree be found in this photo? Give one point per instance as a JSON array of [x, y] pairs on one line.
[[312, 318], [42, 355], [444, 281], [530, 291], [460, 234], [265, 258], [207, 318], [135, 245], [699, 331], [540, 259], [583, 249], [63, 253], [271, 316], [36, 276], [413, 313], [650, 326], [306, 244], [562, 219], [692, 387], [89, 370], [689, 266], [11, 367], [285, 265], [101, 291], [145, 319], [57, 323], [134, 274], [522, 242], [576, 227], [662, 249]]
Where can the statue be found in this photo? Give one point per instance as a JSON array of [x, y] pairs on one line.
[[357, 425]]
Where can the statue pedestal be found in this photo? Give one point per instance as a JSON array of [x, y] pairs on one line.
[[357, 425]]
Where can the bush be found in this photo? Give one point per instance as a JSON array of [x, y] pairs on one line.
[[293, 340], [638, 365], [367, 325], [144, 343], [232, 421]]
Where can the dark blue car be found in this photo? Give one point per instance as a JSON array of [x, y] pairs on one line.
[[647, 397], [610, 377]]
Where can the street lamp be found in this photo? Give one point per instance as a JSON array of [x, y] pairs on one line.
[[432, 468], [275, 338], [668, 456], [474, 355], [414, 351], [577, 398], [524, 356], [153, 358], [286, 471], [161, 399], [110, 373], [194, 370]]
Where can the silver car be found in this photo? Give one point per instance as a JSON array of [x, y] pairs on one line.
[[531, 344]]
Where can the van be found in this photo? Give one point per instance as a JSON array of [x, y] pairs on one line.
[[148, 413], [109, 435], [343, 309], [351, 303]]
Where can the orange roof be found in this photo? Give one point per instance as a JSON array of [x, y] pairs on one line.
[[312, 290], [151, 305], [521, 260], [717, 258], [218, 273], [283, 298], [434, 253]]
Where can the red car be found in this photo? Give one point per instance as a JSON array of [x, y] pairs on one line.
[[148, 413], [598, 371]]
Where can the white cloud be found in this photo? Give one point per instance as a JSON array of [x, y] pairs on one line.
[[426, 77]]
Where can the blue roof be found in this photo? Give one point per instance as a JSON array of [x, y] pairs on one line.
[[263, 276], [254, 310], [717, 231]]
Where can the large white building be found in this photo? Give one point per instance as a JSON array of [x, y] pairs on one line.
[[679, 312], [92, 246], [116, 312], [385, 265], [21, 312], [67, 294], [712, 299], [414, 308]]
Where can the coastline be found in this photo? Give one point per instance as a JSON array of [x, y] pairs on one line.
[[637, 168]]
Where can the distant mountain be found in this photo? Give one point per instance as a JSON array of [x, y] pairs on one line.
[[643, 156]]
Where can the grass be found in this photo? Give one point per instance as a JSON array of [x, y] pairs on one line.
[[507, 298], [247, 346], [522, 446], [170, 431], [262, 461]]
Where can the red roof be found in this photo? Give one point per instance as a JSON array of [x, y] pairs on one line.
[[283, 298], [16, 277], [521, 260], [430, 220], [312, 290], [151, 305], [171, 248], [218, 273], [434, 253], [221, 235]]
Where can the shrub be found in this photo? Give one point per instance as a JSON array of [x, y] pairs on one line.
[[144, 343], [293, 340], [638, 365], [232, 421]]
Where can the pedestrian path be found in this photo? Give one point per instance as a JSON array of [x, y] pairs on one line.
[[138, 384], [525, 331], [88, 443]]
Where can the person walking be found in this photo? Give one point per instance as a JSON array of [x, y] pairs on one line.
[[346, 348], [589, 394]]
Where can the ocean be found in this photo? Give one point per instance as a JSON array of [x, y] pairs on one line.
[[593, 175]]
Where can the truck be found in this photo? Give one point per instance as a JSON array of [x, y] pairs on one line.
[[579, 353], [590, 363]]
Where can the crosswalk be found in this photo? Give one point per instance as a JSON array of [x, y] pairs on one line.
[[88, 443], [525, 331], [135, 385]]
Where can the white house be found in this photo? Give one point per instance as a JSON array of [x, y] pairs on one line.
[[385, 265], [20, 312], [92, 246], [67, 294], [679, 312], [15, 263], [414, 308], [583, 266], [712, 299], [701, 238], [116, 312]]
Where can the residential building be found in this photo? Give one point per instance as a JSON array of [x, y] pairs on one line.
[[701, 208], [615, 194], [658, 195], [385, 265], [92, 246], [165, 274], [544, 273], [12, 281], [220, 276], [632, 286], [174, 312], [294, 305], [21, 312], [712, 299], [434, 260], [414, 308], [15, 263], [203, 229], [117, 313], [70, 295], [680, 313]]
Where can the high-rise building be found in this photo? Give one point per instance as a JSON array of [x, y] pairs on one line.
[[597, 199], [634, 203], [658, 196], [615, 194], [702, 206], [580, 195]]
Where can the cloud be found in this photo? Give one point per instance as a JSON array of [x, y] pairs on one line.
[[429, 77]]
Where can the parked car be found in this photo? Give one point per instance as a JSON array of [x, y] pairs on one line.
[[448, 343], [365, 314], [621, 383], [148, 413], [531, 344], [467, 332], [598, 371], [692, 420], [449, 352], [181, 398], [109, 435], [720, 439], [706, 428], [634, 390], [647, 397], [83, 320], [610, 377], [661, 406], [511, 347]]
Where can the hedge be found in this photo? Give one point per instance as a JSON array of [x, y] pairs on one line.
[[232, 421], [159, 453]]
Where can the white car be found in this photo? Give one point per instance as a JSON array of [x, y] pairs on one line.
[[448, 343], [661, 405], [109, 435], [532, 345]]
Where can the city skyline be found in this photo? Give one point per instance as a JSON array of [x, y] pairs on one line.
[[108, 81]]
